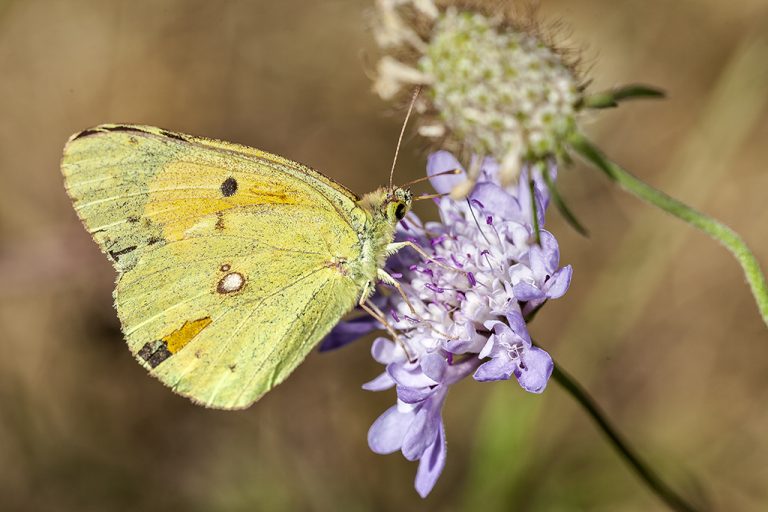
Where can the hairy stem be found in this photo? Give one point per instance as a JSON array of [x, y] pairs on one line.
[[646, 474], [710, 226]]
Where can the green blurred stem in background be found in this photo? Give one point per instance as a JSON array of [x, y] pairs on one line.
[[651, 479], [612, 98], [713, 228]]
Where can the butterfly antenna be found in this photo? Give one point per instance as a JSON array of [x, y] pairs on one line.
[[430, 196], [425, 178], [402, 132]]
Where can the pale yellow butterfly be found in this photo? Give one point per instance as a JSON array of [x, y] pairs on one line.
[[233, 263]]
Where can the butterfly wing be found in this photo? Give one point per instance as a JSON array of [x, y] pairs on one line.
[[231, 260]]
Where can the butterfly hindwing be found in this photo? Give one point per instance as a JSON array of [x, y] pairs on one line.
[[243, 314], [228, 255]]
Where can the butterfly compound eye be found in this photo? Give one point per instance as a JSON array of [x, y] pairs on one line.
[[400, 211]]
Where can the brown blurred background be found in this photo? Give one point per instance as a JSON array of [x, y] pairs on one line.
[[658, 322]]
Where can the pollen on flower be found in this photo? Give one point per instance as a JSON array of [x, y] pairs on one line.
[[490, 88]]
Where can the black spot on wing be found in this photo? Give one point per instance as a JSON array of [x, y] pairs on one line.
[[160, 355], [122, 252], [146, 351], [154, 353], [229, 187]]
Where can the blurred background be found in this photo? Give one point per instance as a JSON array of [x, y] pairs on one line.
[[658, 323]]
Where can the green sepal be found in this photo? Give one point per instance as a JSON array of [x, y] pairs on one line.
[[535, 211], [567, 214], [612, 97]]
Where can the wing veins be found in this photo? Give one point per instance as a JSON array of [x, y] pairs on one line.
[[275, 345], [174, 306], [232, 308], [125, 221], [80, 206], [137, 297]]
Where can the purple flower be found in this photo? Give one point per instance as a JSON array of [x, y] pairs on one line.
[[441, 161], [348, 331], [539, 278], [415, 426], [512, 353], [471, 298]]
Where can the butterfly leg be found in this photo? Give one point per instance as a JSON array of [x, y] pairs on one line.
[[373, 310], [385, 277]]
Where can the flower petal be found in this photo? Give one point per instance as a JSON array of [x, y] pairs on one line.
[[466, 338], [537, 261], [558, 284], [409, 375], [443, 161], [386, 351], [431, 464], [388, 431], [494, 199], [518, 326], [488, 347], [413, 395], [526, 292], [550, 249], [348, 331], [433, 365], [498, 368], [538, 368], [422, 431], [380, 383]]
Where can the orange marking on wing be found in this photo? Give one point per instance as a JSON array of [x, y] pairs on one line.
[[272, 196], [177, 208], [179, 338]]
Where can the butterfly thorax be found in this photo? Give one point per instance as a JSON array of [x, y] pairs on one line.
[[385, 208]]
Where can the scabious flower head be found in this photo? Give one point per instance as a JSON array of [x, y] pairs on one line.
[[491, 87], [490, 269]]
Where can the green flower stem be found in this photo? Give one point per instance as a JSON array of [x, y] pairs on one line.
[[646, 474], [713, 228], [534, 212]]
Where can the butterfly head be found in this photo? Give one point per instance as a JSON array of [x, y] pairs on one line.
[[388, 206], [397, 204]]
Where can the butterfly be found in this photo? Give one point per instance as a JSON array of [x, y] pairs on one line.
[[233, 263]]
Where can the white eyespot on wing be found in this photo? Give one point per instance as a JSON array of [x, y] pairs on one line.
[[230, 283]]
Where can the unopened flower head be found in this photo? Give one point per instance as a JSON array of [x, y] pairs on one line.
[[490, 88]]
